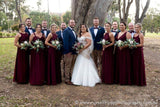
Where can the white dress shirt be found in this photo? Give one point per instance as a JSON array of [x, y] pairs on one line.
[[73, 32], [95, 31]]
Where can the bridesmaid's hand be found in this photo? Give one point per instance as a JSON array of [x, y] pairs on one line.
[[26, 48], [104, 47], [55, 47], [120, 48]]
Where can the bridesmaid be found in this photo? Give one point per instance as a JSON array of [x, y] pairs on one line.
[[21, 72], [138, 58], [107, 57], [54, 69], [37, 69], [123, 62]]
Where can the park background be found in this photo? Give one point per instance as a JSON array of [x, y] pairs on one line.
[[13, 12]]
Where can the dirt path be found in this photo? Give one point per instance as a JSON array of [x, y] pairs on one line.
[[101, 95]]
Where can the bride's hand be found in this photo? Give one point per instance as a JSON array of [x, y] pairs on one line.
[[80, 50]]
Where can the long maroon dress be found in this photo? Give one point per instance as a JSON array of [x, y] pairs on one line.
[[107, 75], [54, 69], [123, 64], [21, 72], [139, 77], [37, 68]]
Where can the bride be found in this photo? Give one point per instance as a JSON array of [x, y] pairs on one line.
[[85, 72]]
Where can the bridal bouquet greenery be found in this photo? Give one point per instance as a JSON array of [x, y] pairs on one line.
[[120, 43], [104, 42], [37, 45], [131, 43], [24, 45], [77, 46], [56, 43]]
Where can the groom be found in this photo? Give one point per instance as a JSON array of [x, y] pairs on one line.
[[97, 35], [69, 39]]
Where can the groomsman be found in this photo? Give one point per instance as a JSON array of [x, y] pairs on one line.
[[45, 31], [60, 36], [115, 29], [28, 27], [69, 39], [60, 32], [131, 29], [97, 35]]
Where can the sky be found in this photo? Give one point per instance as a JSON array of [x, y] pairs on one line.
[[61, 6], [55, 6]]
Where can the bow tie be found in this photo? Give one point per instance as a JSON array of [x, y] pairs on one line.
[[95, 27], [29, 28], [131, 31], [45, 29]]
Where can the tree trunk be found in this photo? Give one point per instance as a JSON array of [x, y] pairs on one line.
[[138, 18], [125, 10], [18, 10], [83, 11]]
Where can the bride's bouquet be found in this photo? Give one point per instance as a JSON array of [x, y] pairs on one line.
[[37, 45], [24, 45], [104, 42], [131, 43], [56, 43], [77, 46]]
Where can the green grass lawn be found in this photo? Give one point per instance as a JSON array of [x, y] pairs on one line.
[[7, 56]]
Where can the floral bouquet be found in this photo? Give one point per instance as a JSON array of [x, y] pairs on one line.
[[56, 43], [131, 43], [37, 44], [120, 43], [77, 46], [104, 42], [24, 45]]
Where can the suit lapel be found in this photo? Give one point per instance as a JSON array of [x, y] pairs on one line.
[[92, 32], [72, 33]]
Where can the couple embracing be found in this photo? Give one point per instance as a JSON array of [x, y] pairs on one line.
[[81, 69]]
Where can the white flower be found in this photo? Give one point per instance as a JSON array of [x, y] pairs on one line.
[[37, 41], [38, 46], [57, 42], [22, 44], [119, 42], [25, 42], [103, 41], [131, 42], [53, 42]]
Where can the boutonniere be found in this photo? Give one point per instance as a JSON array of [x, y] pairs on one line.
[[99, 28]]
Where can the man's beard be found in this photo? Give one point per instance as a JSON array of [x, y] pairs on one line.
[[63, 28], [29, 25]]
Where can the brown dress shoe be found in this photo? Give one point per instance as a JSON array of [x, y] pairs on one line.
[[69, 83]]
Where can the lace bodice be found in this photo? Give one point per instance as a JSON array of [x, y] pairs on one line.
[[83, 40], [88, 50]]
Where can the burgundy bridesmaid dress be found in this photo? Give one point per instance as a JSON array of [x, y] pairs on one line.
[[139, 77], [37, 68], [107, 75], [54, 69], [123, 64], [21, 72]]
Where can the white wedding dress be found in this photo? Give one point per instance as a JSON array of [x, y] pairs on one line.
[[85, 72]]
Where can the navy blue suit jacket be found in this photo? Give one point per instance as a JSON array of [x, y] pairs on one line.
[[60, 39], [48, 31], [26, 30], [116, 32], [68, 41], [98, 37]]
